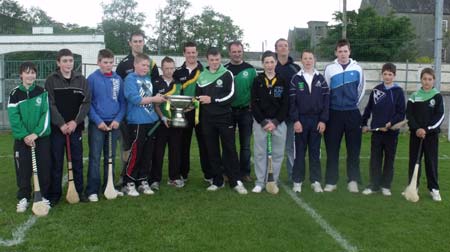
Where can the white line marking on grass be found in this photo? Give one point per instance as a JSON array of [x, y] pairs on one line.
[[18, 235], [330, 230]]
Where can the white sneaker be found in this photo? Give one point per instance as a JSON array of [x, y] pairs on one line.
[[297, 187], [435, 195], [145, 188], [93, 197], [316, 187], [208, 180], [240, 188], [22, 205], [330, 188], [119, 193], [153, 186], [47, 202], [353, 187], [367, 191], [130, 190], [213, 188], [257, 189], [386, 191], [178, 183]]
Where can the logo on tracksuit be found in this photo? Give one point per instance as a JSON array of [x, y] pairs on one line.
[[378, 95], [301, 86]]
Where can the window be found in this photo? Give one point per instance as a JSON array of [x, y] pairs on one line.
[[444, 25]]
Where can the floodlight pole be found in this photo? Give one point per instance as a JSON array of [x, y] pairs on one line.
[[344, 19], [438, 42]]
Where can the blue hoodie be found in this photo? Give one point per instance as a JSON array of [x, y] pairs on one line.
[[107, 101], [385, 105], [137, 87]]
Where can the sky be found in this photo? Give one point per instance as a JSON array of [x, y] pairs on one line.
[[263, 21]]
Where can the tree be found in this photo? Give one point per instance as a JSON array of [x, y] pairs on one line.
[[373, 37], [120, 20], [12, 9], [212, 28], [171, 27]]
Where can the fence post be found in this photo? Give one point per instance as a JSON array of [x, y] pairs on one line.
[[2, 91], [406, 76]]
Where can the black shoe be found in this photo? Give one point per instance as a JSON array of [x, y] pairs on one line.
[[83, 198]]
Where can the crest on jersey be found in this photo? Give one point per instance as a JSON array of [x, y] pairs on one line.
[[219, 83], [378, 95]]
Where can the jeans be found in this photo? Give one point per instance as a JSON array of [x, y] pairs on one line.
[[98, 141]]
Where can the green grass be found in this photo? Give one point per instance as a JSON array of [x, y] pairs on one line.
[[191, 219]]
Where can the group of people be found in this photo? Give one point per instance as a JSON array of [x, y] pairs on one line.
[[286, 108]]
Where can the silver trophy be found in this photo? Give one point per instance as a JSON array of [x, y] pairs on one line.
[[179, 104]]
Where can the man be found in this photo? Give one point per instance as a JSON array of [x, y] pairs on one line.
[[244, 74], [188, 75], [126, 66], [286, 69], [346, 81], [215, 90]]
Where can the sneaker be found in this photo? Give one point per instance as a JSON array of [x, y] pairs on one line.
[[208, 180], [153, 186], [213, 188], [184, 179], [353, 187], [145, 188], [316, 187], [297, 187], [330, 188], [435, 195], [386, 191], [367, 191], [240, 188], [130, 190], [257, 189], [47, 202], [178, 183], [119, 193], [93, 197], [22, 205]]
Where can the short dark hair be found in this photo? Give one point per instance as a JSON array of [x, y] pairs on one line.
[[267, 54], [341, 43], [167, 60], [26, 67], [189, 44], [306, 51], [63, 52], [237, 43], [105, 54], [429, 71], [136, 33], [140, 57], [389, 67], [279, 40], [213, 51]]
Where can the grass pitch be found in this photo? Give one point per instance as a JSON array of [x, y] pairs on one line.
[[191, 219]]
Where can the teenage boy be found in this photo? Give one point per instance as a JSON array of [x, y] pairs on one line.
[[308, 109], [188, 75], [107, 111], [29, 117], [244, 74], [141, 118], [166, 135], [346, 80], [286, 69], [125, 67], [70, 99], [387, 106], [215, 90]]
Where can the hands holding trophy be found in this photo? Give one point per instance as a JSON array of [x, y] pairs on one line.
[[178, 105]]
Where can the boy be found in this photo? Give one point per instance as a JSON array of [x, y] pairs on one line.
[[346, 81], [166, 85], [215, 90], [387, 106], [29, 117], [70, 99], [425, 113], [107, 111], [141, 118], [309, 103]]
